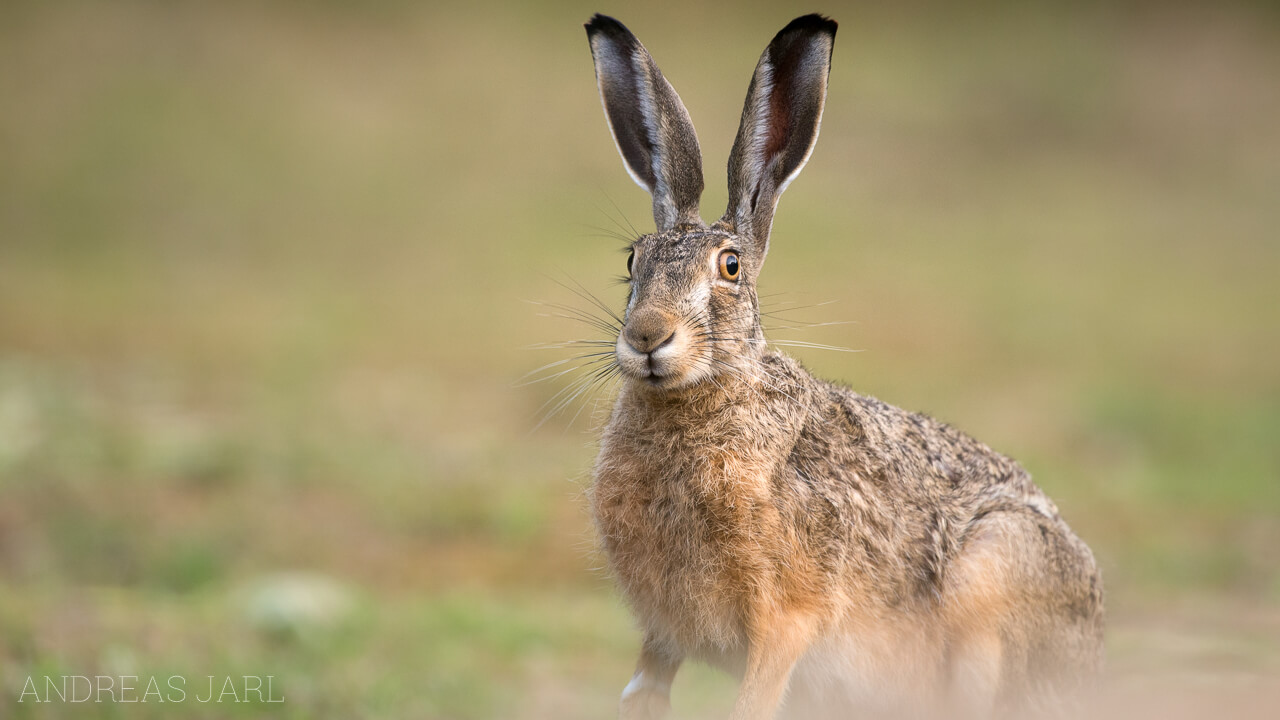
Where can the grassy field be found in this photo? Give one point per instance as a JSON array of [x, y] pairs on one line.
[[265, 275]]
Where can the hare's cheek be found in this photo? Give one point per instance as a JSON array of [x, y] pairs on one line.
[[699, 300], [631, 301]]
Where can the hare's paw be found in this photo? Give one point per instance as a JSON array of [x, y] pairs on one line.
[[645, 699]]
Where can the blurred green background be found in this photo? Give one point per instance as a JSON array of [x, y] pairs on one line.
[[264, 272]]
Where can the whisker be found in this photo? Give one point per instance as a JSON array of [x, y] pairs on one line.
[[548, 366], [599, 380], [570, 344], [598, 323], [801, 325], [556, 402], [812, 345], [590, 297], [777, 311], [525, 381], [634, 233], [582, 386], [581, 315], [591, 371], [622, 230], [605, 234]]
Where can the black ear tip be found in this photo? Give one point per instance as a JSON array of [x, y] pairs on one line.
[[813, 23], [604, 24]]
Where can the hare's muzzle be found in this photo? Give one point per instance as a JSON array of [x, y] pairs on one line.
[[648, 348]]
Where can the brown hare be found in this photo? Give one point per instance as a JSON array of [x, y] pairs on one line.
[[843, 557]]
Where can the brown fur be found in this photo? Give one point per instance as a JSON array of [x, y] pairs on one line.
[[796, 533]]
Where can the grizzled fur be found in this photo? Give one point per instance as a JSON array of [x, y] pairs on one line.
[[821, 544]]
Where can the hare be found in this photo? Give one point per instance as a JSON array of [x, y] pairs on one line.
[[834, 552]]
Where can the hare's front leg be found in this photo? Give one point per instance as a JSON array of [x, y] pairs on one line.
[[776, 647], [648, 695]]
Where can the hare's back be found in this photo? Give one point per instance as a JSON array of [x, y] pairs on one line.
[[889, 495]]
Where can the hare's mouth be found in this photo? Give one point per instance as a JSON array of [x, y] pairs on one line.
[[663, 375], [656, 379], [664, 367], [652, 371], [669, 381]]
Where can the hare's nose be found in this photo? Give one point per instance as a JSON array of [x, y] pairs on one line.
[[648, 330]]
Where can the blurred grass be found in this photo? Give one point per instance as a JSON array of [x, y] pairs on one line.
[[261, 281]]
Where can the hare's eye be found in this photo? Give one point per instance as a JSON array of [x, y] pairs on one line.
[[729, 265], [630, 259]]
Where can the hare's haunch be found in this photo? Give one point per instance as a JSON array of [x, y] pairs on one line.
[[822, 545]]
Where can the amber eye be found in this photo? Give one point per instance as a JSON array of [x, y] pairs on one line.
[[729, 265], [630, 259]]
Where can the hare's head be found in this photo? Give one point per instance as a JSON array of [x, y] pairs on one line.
[[693, 312]]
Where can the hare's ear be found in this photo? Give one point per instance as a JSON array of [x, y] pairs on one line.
[[780, 123], [648, 122]]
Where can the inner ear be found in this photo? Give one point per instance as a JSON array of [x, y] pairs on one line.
[[779, 126], [649, 123]]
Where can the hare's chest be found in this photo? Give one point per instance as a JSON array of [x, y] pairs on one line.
[[682, 545]]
